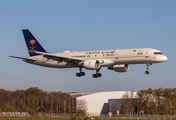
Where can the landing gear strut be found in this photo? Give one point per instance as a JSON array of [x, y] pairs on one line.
[[80, 73], [147, 72], [97, 74]]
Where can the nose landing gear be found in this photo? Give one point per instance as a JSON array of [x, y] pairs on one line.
[[147, 72]]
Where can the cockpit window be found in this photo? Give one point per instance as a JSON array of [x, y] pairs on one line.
[[158, 53]]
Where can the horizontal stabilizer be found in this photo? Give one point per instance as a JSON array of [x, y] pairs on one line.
[[25, 59]]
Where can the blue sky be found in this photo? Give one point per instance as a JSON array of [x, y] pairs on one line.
[[87, 25]]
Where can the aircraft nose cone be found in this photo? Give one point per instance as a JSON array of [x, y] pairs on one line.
[[165, 58]]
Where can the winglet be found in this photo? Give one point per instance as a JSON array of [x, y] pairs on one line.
[[32, 43]]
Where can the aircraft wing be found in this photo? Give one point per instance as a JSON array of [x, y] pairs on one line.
[[60, 57], [25, 59]]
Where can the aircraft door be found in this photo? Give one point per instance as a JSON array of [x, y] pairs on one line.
[[146, 55], [116, 54]]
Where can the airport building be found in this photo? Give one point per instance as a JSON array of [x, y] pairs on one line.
[[100, 103]]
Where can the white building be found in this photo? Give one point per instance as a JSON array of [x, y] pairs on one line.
[[98, 102]]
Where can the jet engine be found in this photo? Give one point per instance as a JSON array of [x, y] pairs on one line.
[[119, 68], [92, 64]]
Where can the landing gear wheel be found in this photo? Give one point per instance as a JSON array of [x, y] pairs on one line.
[[82, 73], [94, 76], [78, 74], [99, 74], [147, 72]]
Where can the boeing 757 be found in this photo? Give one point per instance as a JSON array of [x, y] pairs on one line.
[[117, 59]]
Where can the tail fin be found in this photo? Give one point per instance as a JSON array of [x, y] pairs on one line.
[[32, 43]]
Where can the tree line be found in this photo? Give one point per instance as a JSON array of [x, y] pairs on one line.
[[34, 100], [151, 101]]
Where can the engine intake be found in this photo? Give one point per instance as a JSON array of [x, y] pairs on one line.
[[92, 64], [119, 68]]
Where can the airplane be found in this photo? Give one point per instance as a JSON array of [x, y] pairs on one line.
[[117, 59]]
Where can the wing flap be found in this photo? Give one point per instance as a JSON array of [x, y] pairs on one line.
[[60, 57]]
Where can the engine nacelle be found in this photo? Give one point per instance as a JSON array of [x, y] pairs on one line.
[[119, 68], [92, 64]]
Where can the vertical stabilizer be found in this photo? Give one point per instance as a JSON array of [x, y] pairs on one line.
[[32, 43]]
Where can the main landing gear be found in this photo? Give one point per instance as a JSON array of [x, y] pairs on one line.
[[97, 74], [147, 72], [80, 73]]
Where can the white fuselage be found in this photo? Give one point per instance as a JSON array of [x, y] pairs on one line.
[[106, 57]]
